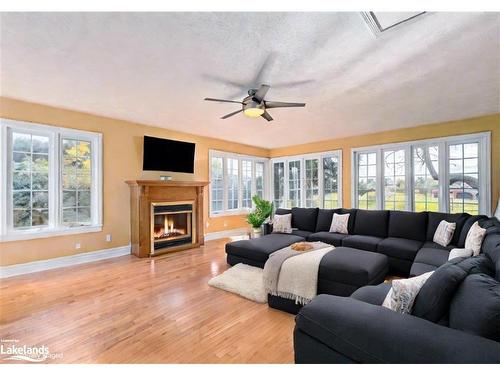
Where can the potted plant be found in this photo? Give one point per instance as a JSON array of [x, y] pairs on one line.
[[262, 210]]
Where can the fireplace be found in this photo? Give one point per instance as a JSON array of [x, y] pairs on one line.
[[171, 224], [165, 216]]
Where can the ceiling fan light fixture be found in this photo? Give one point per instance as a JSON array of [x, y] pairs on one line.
[[253, 110]]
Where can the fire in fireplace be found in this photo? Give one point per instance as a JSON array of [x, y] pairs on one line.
[[171, 224]]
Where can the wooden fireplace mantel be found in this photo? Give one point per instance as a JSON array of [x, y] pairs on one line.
[[166, 183], [143, 193]]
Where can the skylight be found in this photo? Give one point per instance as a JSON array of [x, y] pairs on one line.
[[380, 22]]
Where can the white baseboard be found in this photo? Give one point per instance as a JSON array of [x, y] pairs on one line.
[[70, 260], [226, 233]]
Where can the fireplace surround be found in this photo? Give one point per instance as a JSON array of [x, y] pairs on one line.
[[172, 224], [165, 216]]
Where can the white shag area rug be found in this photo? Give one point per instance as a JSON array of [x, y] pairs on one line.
[[243, 280]]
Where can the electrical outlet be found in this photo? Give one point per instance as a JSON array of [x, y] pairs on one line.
[[77, 245], [108, 237]]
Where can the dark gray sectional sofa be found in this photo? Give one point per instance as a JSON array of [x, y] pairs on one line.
[[404, 237], [456, 316]]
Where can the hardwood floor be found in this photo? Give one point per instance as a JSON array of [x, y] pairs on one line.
[[131, 310]]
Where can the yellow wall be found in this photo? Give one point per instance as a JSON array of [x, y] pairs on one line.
[[122, 158], [473, 125]]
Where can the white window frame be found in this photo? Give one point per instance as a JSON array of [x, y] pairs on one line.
[[484, 154], [55, 226], [302, 158], [240, 157]]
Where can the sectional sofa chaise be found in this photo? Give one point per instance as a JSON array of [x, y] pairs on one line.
[[346, 324]]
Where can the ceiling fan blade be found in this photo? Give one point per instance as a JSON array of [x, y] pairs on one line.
[[231, 114], [225, 81], [261, 92], [292, 84], [264, 69], [267, 116], [283, 104], [222, 100]]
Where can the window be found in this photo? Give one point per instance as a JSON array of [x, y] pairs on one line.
[[312, 183], [311, 180], [366, 182], [394, 180], [246, 183], [279, 184], [259, 179], [216, 184], [232, 184], [463, 184], [30, 180], [234, 180], [426, 178], [331, 182], [294, 185], [76, 180], [448, 174], [53, 181]]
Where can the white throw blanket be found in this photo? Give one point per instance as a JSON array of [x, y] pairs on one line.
[[298, 276]]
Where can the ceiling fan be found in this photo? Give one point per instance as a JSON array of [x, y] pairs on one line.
[[254, 104]]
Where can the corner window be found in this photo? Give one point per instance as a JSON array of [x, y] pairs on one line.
[[53, 181], [311, 180], [449, 174]]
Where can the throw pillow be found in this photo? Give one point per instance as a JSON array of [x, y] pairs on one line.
[[444, 233], [282, 223], [475, 238], [433, 300], [460, 253], [339, 223], [403, 293]]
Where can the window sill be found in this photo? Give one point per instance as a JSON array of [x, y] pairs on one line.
[[231, 213], [29, 235]]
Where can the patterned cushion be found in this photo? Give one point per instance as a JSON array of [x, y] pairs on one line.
[[282, 223], [475, 238], [444, 233], [460, 253], [339, 223], [403, 293]]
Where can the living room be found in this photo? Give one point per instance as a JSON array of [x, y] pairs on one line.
[[250, 187]]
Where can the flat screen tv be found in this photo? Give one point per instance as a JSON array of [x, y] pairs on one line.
[[168, 155]]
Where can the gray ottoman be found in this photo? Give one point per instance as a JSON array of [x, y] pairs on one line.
[[341, 272]]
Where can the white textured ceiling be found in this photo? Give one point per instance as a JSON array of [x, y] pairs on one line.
[[156, 68]]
